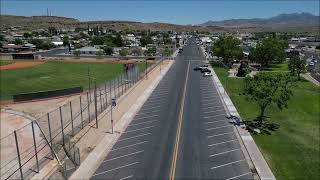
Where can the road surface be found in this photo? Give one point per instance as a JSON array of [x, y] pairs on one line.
[[181, 132]]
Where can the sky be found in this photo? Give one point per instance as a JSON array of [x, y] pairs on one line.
[[174, 11]]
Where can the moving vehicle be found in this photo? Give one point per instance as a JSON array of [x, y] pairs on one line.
[[180, 50], [207, 74], [203, 70]]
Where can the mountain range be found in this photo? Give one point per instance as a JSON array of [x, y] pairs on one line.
[[281, 20]]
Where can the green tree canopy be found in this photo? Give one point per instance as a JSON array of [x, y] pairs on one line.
[[108, 50], [296, 65], [145, 40], [123, 52], [267, 88], [66, 40], [268, 51], [228, 48]]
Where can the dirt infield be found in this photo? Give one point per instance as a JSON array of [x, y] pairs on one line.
[[19, 65]]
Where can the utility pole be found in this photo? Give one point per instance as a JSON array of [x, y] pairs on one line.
[[89, 80], [146, 69]]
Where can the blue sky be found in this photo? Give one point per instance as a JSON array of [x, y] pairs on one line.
[[177, 11]]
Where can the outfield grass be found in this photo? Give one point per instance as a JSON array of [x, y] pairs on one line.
[[5, 62], [56, 75], [292, 151], [277, 67]]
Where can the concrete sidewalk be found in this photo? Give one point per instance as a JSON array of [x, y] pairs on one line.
[[308, 77], [255, 156]]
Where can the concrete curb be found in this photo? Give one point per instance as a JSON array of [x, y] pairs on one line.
[[260, 164], [308, 77], [94, 159]]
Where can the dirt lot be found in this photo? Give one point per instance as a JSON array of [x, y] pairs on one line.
[[18, 65]]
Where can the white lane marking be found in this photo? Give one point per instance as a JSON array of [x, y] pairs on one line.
[[130, 154], [213, 111], [145, 117], [150, 108], [227, 164], [124, 139], [129, 145], [155, 103], [219, 134], [210, 103], [217, 154], [148, 112], [218, 127], [139, 129], [239, 176], [135, 124], [224, 142], [116, 168], [206, 117], [210, 122], [210, 107], [126, 177]]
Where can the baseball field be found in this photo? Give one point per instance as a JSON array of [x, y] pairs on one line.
[[53, 75]]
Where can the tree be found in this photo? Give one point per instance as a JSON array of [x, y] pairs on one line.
[[166, 52], [76, 53], [151, 51], [123, 52], [267, 88], [18, 41], [97, 40], [108, 50], [137, 51], [296, 65], [268, 51], [53, 31], [228, 48], [27, 35], [66, 40], [145, 40]]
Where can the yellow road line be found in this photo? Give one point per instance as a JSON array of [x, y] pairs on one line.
[[177, 142]]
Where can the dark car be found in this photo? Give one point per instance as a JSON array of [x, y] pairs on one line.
[[197, 68], [205, 70]]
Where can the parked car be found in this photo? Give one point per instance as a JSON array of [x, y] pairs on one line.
[[311, 64], [197, 68], [207, 74]]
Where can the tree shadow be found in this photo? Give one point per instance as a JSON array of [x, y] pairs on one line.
[[261, 126]]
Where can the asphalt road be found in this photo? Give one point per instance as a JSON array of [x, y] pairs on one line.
[[181, 132]]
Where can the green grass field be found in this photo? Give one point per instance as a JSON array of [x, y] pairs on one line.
[[278, 67], [5, 62], [292, 151], [56, 75]]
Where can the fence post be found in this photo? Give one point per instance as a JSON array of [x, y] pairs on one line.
[[71, 118], [35, 146], [50, 133], [118, 86], [88, 106], [61, 120], [100, 99], [105, 91], [95, 102], [121, 83], [114, 87], [89, 79], [125, 84], [81, 116], [18, 152]]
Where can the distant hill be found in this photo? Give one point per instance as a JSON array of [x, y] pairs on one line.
[[280, 21], [303, 22]]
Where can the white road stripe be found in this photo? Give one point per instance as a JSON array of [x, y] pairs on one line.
[[129, 145], [210, 122], [206, 117], [116, 168], [219, 134], [124, 139], [142, 109], [148, 112], [210, 103], [217, 154], [218, 127], [122, 156], [224, 142], [214, 111], [139, 129], [227, 164], [126, 177], [145, 117], [135, 124], [239, 176]]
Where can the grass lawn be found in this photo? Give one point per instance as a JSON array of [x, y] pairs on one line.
[[5, 62], [292, 151], [55, 75], [278, 67]]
